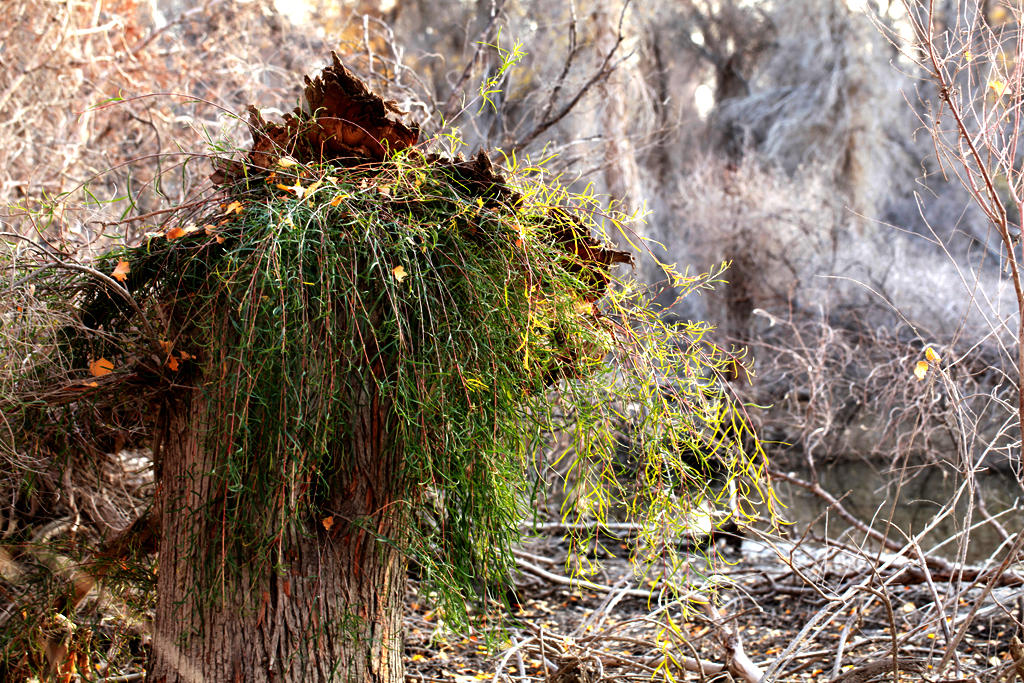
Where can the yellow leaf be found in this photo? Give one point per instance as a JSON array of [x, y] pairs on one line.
[[930, 354], [121, 271], [100, 367], [968, 56], [417, 657], [337, 200], [328, 522], [921, 369], [174, 233], [1000, 87], [297, 188], [399, 273], [312, 188], [234, 207], [286, 162]]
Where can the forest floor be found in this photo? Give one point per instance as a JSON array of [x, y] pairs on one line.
[[566, 634], [788, 610], [788, 607]]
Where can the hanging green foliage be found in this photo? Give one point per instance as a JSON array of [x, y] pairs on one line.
[[473, 316], [486, 314]]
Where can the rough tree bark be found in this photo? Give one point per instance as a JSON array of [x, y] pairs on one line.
[[326, 604], [329, 608]]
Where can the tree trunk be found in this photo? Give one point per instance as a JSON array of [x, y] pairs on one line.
[[617, 122], [328, 603]]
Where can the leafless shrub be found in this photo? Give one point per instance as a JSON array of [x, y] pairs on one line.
[[834, 318], [97, 97]]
